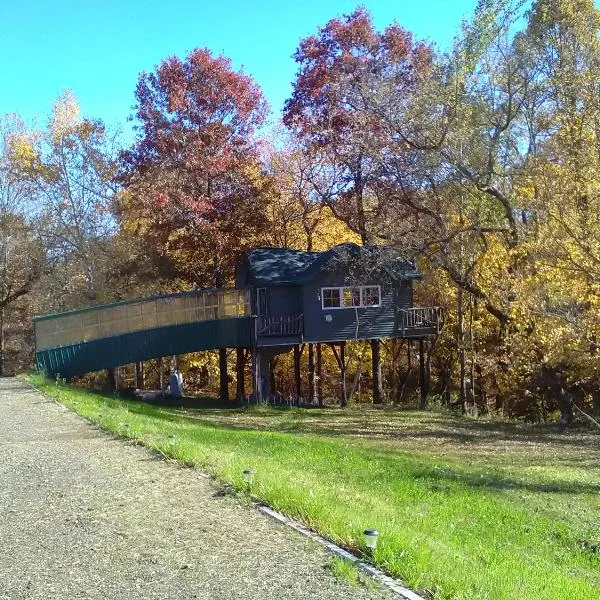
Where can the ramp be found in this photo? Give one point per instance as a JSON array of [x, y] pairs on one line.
[[105, 336]]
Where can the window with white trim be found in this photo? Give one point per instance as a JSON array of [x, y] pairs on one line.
[[351, 297]]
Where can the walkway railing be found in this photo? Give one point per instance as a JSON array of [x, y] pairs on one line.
[[64, 329], [281, 325], [428, 318]]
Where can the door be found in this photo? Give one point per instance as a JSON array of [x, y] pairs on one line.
[[261, 302]]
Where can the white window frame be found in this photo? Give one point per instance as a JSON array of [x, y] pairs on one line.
[[341, 295]]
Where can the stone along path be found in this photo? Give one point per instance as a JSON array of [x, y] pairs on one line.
[[85, 515]]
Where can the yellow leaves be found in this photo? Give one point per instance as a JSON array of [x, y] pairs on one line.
[[65, 116], [21, 151]]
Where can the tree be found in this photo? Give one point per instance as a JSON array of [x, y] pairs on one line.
[[70, 168], [22, 259], [327, 110], [193, 173]]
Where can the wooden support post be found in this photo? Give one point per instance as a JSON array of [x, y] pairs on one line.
[[139, 375], [256, 382], [319, 375], [312, 379], [240, 364], [223, 376], [395, 348], [113, 381], [376, 363], [344, 394], [341, 361], [423, 378], [297, 373], [272, 384]]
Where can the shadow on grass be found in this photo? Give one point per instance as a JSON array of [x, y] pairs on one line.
[[399, 462], [397, 425]]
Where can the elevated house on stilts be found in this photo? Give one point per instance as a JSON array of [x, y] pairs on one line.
[[282, 300]]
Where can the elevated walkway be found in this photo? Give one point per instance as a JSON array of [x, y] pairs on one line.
[[101, 337]]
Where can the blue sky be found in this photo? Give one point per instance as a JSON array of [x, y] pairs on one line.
[[97, 48]]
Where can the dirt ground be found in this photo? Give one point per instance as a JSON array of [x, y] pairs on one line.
[[88, 516]]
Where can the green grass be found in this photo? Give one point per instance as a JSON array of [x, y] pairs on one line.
[[346, 571], [466, 509]]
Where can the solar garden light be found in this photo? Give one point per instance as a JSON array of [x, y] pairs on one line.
[[371, 536], [248, 477]]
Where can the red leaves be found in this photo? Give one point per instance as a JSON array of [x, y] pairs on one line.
[[190, 167], [340, 63]]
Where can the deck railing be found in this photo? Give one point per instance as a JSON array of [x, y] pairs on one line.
[[280, 325], [428, 318]]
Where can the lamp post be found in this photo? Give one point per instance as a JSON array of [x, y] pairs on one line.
[[371, 536], [248, 477]]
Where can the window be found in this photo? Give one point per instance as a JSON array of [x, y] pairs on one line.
[[371, 296], [331, 297], [351, 297]]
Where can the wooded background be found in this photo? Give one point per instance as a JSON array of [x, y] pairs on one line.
[[481, 163]]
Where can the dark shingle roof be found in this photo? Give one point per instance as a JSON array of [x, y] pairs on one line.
[[278, 266]]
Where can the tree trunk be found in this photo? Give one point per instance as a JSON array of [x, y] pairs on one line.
[[139, 375], [376, 360], [319, 375], [555, 381], [446, 380], [223, 376], [240, 363], [423, 377], [596, 402], [460, 342], [312, 379], [161, 375]]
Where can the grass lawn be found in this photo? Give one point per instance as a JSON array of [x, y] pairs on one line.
[[466, 509]]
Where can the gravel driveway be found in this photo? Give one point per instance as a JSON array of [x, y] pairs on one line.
[[85, 515]]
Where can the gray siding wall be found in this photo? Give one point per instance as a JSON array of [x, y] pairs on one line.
[[372, 322], [284, 300]]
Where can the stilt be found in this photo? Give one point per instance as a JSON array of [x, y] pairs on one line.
[[297, 373], [423, 379], [376, 363], [240, 364], [223, 376], [341, 361], [395, 346], [312, 380], [319, 375], [139, 375], [113, 379], [256, 383], [272, 365]]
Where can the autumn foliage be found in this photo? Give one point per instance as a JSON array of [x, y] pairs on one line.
[[481, 163], [193, 174]]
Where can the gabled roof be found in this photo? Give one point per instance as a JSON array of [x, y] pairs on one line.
[[279, 266]]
